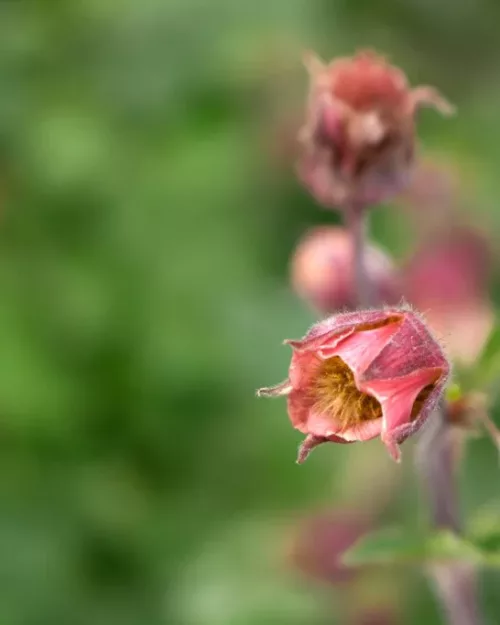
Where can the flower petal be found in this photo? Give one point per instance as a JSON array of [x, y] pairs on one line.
[[311, 441], [299, 407], [275, 391], [398, 395], [360, 349], [364, 431]]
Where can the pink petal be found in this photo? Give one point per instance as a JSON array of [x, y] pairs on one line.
[[303, 367], [324, 425], [310, 344], [321, 424], [398, 395], [299, 406], [395, 437], [364, 431], [360, 349], [311, 442], [331, 118]]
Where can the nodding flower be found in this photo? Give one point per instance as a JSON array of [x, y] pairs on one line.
[[359, 375]]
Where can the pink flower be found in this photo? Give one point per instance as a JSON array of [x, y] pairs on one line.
[[358, 139], [448, 279], [322, 271], [359, 375]]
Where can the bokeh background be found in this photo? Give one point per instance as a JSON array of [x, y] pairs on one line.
[[148, 210]]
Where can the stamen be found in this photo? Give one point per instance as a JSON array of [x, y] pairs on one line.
[[335, 394]]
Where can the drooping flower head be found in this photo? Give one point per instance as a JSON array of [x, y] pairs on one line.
[[322, 271], [358, 139], [359, 375]]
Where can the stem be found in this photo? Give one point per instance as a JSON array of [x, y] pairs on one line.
[[455, 584], [357, 223]]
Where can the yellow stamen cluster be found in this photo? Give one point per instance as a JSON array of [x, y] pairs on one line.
[[334, 393]]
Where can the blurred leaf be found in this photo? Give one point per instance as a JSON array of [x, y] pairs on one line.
[[484, 531], [486, 371], [394, 546]]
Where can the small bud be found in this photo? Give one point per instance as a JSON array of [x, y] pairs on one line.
[[359, 375], [358, 139], [322, 271], [447, 278]]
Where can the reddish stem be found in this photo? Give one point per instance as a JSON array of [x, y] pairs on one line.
[[455, 583], [357, 224]]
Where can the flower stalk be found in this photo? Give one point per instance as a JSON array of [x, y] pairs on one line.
[[357, 223], [455, 583]]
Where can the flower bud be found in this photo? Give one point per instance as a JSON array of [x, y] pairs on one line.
[[322, 271], [447, 277], [359, 375], [358, 139]]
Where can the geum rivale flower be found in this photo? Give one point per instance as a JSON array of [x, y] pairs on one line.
[[363, 374], [358, 138]]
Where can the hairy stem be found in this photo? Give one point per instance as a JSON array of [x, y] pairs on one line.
[[455, 584], [357, 223]]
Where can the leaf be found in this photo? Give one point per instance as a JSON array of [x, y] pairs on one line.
[[484, 532], [487, 369], [395, 546]]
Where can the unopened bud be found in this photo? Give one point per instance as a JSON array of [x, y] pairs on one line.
[[358, 140], [322, 271]]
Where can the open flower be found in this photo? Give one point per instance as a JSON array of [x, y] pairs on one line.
[[359, 375], [322, 271], [358, 139]]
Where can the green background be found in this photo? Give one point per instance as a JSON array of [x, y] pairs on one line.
[[147, 215]]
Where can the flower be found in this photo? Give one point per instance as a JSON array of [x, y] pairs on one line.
[[322, 271], [358, 139], [359, 375], [447, 277]]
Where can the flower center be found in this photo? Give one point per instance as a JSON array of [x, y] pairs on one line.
[[335, 393]]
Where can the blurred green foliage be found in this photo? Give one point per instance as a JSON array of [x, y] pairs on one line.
[[145, 234]]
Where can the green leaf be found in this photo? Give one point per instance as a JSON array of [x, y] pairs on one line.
[[484, 532], [395, 546], [487, 369]]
